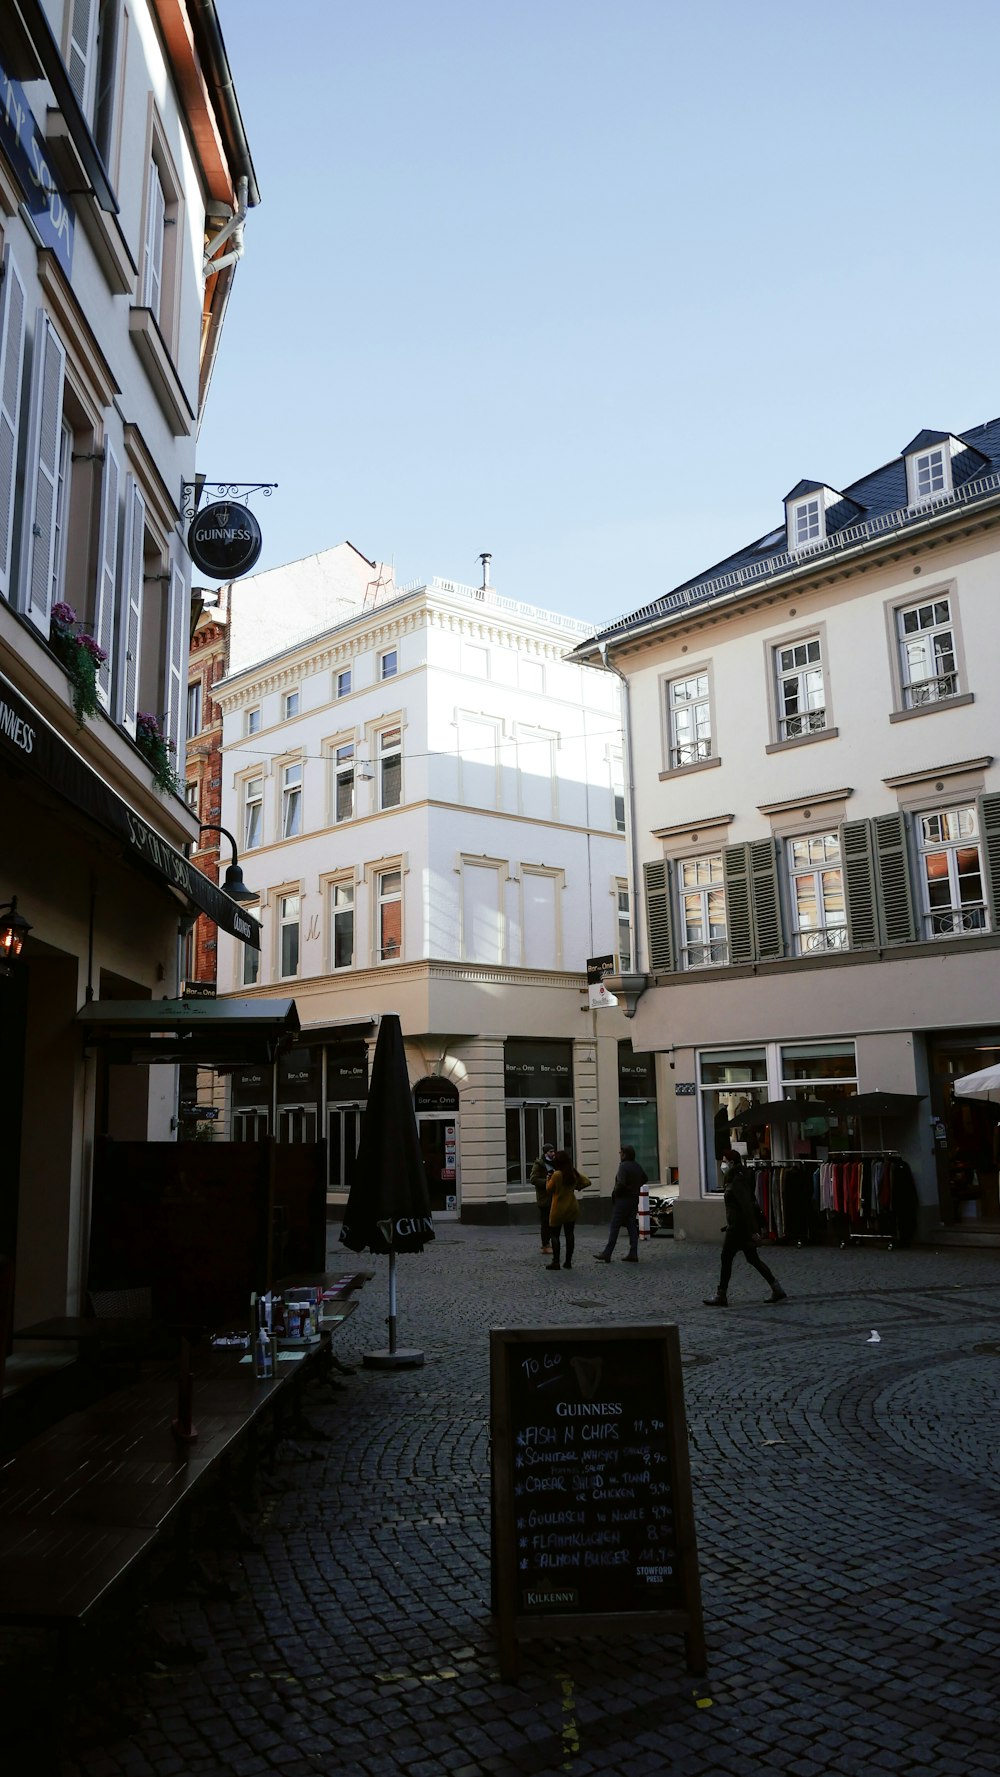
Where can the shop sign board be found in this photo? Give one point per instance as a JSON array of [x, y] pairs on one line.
[[592, 1513], [224, 540], [538, 1069], [598, 968], [26, 148]]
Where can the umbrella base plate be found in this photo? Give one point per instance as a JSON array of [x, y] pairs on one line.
[[393, 1360]]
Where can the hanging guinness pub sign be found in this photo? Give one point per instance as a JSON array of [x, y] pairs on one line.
[[224, 540]]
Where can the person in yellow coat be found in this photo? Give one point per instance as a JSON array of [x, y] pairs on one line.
[[564, 1183]]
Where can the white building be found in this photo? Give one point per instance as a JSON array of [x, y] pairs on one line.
[[817, 811], [429, 799], [122, 159]]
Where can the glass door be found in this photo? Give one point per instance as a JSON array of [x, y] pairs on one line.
[[529, 1128], [343, 1135], [296, 1123], [437, 1148], [250, 1123]]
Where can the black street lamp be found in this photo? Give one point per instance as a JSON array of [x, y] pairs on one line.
[[232, 882]]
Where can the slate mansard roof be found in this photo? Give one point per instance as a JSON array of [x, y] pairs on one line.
[[869, 509]]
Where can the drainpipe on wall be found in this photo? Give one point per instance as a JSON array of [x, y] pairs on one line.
[[633, 863]]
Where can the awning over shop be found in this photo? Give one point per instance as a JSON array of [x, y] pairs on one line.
[[30, 745], [209, 1032]]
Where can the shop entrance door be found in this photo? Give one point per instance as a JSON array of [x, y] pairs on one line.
[[250, 1123], [296, 1123], [344, 1134], [529, 1128], [437, 1135]]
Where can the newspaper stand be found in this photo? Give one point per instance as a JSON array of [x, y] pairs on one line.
[[592, 1515]]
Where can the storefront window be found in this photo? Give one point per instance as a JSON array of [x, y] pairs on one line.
[[637, 1108], [732, 1080]]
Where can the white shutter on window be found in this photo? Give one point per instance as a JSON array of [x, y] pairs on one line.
[[82, 42], [152, 263], [11, 378], [177, 649], [130, 615], [107, 573], [41, 473]]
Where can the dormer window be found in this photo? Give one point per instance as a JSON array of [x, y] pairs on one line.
[[806, 523], [930, 474], [930, 466]]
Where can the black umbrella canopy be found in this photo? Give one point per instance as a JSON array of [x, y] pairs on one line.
[[780, 1111], [389, 1207], [880, 1104]]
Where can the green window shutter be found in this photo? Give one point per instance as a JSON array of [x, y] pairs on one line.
[[659, 917], [765, 897], [895, 891], [739, 923], [859, 885], [989, 827]]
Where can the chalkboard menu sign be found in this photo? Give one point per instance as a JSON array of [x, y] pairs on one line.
[[593, 1524]]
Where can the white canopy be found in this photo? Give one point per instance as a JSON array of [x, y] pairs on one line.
[[984, 1084]]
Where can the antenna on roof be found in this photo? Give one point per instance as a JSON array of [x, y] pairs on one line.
[[486, 558]]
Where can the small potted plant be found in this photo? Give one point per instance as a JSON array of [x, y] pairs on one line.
[[157, 751], [81, 656]]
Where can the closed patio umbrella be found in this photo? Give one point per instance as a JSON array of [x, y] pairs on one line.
[[880, 1105], [779, 1112], [389, 1207]]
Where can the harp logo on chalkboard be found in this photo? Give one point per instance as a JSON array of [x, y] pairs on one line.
[[587, 1371]]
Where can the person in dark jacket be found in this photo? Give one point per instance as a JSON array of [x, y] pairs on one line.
[[541, 1172], [741, 1227], [629, 1180]]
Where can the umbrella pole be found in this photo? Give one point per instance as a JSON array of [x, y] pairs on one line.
[[392, 1303]]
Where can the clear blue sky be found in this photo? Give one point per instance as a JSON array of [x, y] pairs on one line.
[[592, 283]]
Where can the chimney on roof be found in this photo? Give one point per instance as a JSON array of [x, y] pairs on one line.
[[485, 558]]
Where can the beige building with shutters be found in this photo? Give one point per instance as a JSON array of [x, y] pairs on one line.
[[125, 176], [816, 808]]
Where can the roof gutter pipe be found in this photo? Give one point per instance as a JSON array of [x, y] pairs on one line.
[[220, 81], [633, 861]]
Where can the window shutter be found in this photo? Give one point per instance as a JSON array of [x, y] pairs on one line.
[[152, 265], [11, 377], [895, 892], [659, 917], [177, 639], [41, 474], [739, 924], [130, 615], [81, 51], [859, 885], [107, 573], [989, 827], [765, 897]]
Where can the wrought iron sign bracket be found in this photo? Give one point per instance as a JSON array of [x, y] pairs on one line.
[[236, 491]]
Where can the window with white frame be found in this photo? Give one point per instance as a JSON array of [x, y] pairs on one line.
[[60, 513], [389, 915], [624, 926], [343, 781], [289, 922], [93, 28], [951, 872], [191, 795], [250, 958], [800, 690], [702, 898], [344, 682], [806, 523], [342, 924], [253, 812], [390, 767], [291, 799], [253, 723], [291, 705], [618, 790], [194, 698], [388, 664], [927, 656], [930, 474], [689, 716], [816, 877]]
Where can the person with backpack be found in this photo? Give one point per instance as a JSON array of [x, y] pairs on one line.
[[742, 1224]]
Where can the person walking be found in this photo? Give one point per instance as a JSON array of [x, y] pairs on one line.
[[740, 1231], [541, 1171], [564, 1183], [629, 1180]]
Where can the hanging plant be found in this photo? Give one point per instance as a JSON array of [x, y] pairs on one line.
[[156, 749], [81, 656]]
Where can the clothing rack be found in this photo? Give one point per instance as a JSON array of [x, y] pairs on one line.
[[870, 1192]]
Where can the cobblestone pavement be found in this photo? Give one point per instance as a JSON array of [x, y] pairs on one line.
[[848, 1513]]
